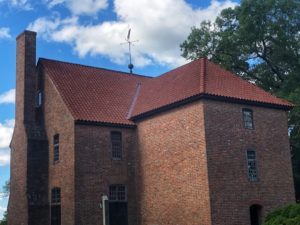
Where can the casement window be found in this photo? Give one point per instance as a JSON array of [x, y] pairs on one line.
[[117, 192], [55, 196], [248, 118], [252, 165], [116, 145], [39, 99], [56, 148]]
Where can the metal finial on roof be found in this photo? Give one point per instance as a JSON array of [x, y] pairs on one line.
[[129, 42]]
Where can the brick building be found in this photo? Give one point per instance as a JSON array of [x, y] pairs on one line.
[[194, 146]]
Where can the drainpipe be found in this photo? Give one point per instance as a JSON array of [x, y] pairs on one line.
[[105, 212]]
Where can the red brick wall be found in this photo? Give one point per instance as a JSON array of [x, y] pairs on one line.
[[187, 165], [58, 120], [227, 141], [95, 171], [25, 68], [17, 207], [25, 77], [172, 172]]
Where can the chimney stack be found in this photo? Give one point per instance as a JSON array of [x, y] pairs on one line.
[[26, 77]]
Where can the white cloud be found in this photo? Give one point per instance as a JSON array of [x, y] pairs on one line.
[[45, 26], [4, 32], [81, 7], [21, 4], [3, 196], [4, 156], [53, 3], [2, 210], [8, 97], [160, 27], [6, 131]]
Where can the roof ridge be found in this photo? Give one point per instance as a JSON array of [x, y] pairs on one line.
[[202, 74], [176, 68], [94, 67], [248, 82]]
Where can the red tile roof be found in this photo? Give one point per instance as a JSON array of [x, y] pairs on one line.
[[93, 94], [200, 77], [101, 95]]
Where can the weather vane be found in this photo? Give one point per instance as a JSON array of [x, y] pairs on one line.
[[129, 42]]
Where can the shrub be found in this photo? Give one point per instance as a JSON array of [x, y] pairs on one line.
[[288, 215]]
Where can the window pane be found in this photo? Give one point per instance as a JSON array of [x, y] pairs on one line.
[[117, 193], [252, 166], [56, 153], [38, 99], [113, 193], [56, 147], [55, 196], [121, 193], [116, 145], [56, 139], [248, 118]]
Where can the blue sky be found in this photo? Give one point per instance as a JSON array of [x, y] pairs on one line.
[[90, 32]]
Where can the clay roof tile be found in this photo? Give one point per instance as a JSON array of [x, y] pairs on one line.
[[101, 95]]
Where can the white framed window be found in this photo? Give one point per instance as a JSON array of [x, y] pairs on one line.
[[117, 192]]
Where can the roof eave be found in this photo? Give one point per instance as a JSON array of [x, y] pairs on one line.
[[105, 124], [209, 97]]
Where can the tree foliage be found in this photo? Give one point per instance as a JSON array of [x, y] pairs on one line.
[[6, 188], [4, 220], [288, 215], [259, 41]]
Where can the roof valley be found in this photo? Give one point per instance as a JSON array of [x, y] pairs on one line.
[[134, 99], [202, 75]]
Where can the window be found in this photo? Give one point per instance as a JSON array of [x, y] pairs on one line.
[[39, 97], [55, 196], [55, 207], [56, 147], [248, 118], [252, 165], [116, 144], [117, 193]]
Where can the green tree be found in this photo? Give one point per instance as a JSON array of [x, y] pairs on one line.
[[4, 220], [259, 41], [5, 194], [288, 215], [6, 188]]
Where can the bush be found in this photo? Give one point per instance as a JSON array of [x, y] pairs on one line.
[[288, 215], [4, 220]]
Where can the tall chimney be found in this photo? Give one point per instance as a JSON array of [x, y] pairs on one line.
[[26, 77]]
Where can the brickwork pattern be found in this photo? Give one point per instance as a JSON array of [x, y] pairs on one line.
[[95, 171], [172, 172], [25, 85], [231, 194], [184, 166], [58, 120], [18, 199]]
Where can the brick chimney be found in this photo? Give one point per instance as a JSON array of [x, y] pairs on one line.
[[26, 77]]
